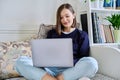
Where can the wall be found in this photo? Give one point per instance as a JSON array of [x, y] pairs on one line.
[[21, 18], [26, 11]]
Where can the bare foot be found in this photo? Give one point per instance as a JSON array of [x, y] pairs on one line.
[[48, 77], [60, 77]]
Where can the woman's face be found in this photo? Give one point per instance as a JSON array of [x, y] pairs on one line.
[[67, 18]]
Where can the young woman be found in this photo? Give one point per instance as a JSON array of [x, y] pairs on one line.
[[84, 66]]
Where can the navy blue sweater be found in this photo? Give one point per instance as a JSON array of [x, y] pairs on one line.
[[80, 42]]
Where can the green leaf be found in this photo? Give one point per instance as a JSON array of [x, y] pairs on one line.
[[107, 1], [114, 19]]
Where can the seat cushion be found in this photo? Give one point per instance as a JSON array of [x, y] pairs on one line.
[[102, 77], [97, 77]]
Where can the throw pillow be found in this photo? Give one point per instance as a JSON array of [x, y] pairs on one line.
[[9, 53], [44, 28]]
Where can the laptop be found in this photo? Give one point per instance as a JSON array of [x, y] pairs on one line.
[[52, 52]]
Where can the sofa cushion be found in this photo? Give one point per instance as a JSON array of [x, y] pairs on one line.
[[43, 29], [9, 52], [96, 77]]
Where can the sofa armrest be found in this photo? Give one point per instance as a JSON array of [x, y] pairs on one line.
[[108, 60]]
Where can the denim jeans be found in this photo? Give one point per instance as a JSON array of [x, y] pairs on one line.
[[85, 67]]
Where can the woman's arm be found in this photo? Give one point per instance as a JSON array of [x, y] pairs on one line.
[[84, 44]]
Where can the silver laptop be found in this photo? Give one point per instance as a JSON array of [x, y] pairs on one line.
[[52, 52]]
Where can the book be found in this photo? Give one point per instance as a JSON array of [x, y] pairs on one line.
[[96, 38], [102, 33], [108, 34], [83, 18]]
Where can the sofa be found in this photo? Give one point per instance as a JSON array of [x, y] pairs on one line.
[[10, 51]]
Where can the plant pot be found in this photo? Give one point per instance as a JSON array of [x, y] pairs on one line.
[[116, 35]]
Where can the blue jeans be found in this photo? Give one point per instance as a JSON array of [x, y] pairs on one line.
[[85, 67]]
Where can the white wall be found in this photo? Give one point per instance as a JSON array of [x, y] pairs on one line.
[[27, 11], [17, 16], [30, 11]]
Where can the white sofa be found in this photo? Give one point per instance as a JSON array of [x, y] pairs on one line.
[[107, 57]]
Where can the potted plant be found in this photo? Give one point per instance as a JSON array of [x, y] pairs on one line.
[[114, 19]]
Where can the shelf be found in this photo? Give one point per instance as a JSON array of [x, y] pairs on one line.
[[95, 17], [117, 45], [101, 10], [104, 10], [108, 10]]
